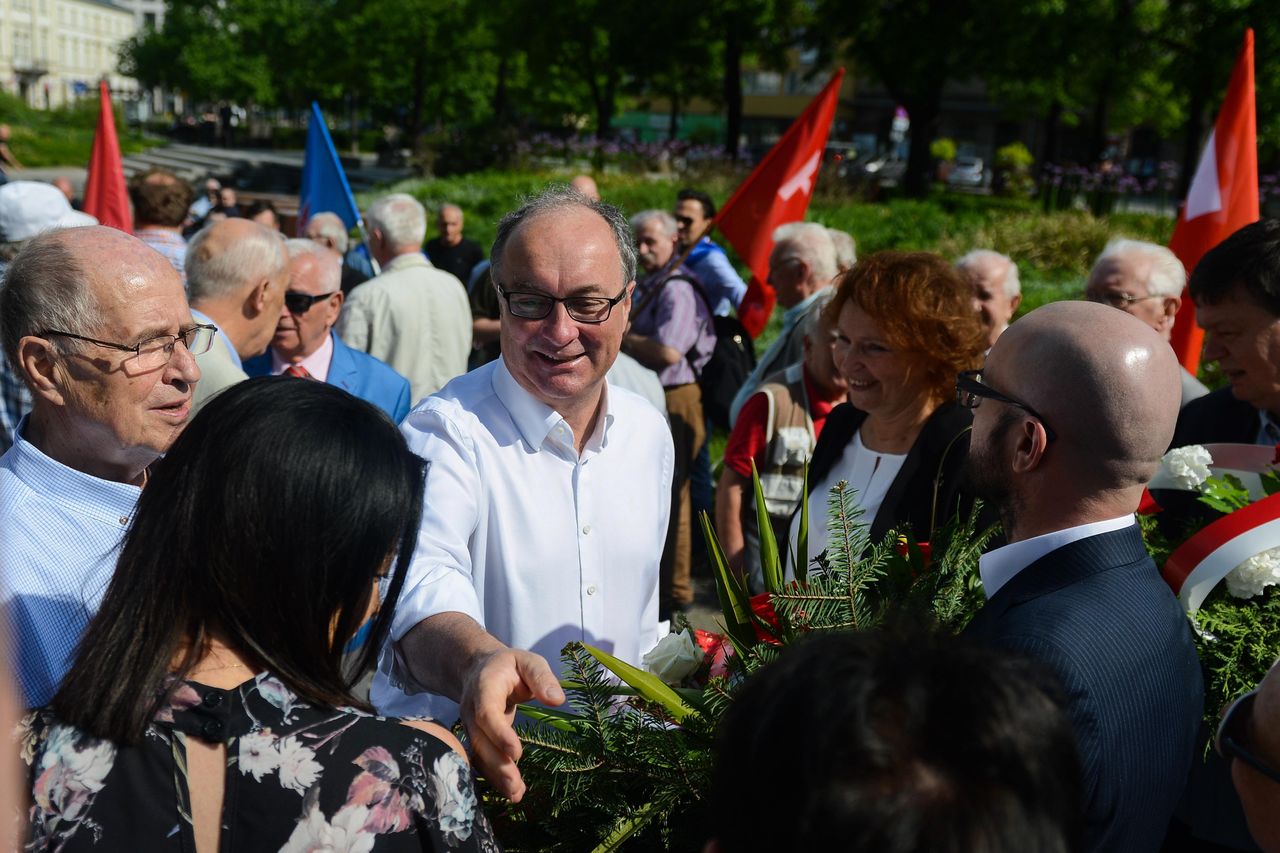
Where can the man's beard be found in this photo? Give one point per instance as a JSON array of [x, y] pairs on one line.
[[989, 476]]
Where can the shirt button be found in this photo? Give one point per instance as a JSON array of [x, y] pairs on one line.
[[212, 730], [124, 519], [591, 590], [212, 699], [586, 528]]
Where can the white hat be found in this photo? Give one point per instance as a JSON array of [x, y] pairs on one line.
[[28, 208]]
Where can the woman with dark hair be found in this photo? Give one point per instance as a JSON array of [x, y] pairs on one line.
[[905, 327], [208, 707]]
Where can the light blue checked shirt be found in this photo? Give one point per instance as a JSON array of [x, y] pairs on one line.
[[59, 533]]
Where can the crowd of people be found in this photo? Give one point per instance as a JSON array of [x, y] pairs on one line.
[[257, 489]]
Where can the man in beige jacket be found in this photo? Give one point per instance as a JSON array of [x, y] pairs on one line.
[[414, 317]]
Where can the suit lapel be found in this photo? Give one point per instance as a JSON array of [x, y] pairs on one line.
[[342, 368]]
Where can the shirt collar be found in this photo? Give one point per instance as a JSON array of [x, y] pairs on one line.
[[537, 421], [793, 313], [107, 500], [1000, 566], [408, 259], [1268, 429]]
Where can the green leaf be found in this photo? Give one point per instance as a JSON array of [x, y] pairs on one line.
[[1270, 482], [801, 562], [648, 684], [770, 562], [562, 720], [735, 603], [626, 828], [1226, 494]]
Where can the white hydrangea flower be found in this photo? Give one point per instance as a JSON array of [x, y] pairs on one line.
[[1255, 574], [1188, 466], [676, 657]]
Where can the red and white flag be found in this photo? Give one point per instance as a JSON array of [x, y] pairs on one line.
[[105, 195], [1223, 197], [777, 192]]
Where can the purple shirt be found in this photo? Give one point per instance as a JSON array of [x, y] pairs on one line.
[[677, 317]]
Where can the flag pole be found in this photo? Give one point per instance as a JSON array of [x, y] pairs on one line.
[[364, 240]]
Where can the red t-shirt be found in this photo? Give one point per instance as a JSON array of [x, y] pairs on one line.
[[746, 442]]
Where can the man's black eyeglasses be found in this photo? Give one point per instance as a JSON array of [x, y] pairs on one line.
[[153, 352], [970, 389], [528, 305], [300, 303], [1230, 740]]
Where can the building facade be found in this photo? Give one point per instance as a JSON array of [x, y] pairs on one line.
[[55, 51]]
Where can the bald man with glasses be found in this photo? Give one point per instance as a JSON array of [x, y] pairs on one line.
[[305, 345], [547, 495]]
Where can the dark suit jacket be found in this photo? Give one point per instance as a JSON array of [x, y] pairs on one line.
[[937, 457], [1217, 417], [357, 373], [1098, 614]]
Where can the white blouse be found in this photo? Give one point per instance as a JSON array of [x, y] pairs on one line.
[[868, 472]]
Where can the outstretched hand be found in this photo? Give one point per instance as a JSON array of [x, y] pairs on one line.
[[493, 686]]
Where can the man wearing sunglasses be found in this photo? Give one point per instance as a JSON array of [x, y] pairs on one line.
[[547, 496], [305, 344], [1073, 410], [97, 325], [237, 273]]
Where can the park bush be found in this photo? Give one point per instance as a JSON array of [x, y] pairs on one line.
[[62, 136]]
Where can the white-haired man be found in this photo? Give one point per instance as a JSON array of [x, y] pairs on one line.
[[237, 273], [305, 346], [1145, 280], [548, 493], [414, 317], [997, 293], [328, 229], [846, 249], [98, 327], [801, 265]]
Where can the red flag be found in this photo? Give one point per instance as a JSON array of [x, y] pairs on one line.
[[1223, 197], [775, 193], [105, 196]]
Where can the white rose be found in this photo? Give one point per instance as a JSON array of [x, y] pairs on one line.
[[675, 658], [1188, 466], [1255, 574]]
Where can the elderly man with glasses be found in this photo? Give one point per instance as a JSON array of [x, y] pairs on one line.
[[1145, 280], [1057, 450], [548, 492], [305, 344], [97, 325]]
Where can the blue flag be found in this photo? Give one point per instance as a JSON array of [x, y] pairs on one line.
[[324, 184]]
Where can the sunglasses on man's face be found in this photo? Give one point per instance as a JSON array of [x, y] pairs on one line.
[[300, 303], [1230, 742]]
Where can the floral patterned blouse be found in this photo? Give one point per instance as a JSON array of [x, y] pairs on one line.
[[299, 778]]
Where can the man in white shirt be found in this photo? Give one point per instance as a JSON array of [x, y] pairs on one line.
[[547, 496], [1075, 407], [414, 317]]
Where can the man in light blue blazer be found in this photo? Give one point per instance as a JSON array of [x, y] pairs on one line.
[[305, 345]]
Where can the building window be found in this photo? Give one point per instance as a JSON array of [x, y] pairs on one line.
[[149, 20]]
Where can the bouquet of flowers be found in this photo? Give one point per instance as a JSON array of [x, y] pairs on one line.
[[1226, 572], [630, 761]]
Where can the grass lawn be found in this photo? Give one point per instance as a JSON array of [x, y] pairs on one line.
[[64, 136]]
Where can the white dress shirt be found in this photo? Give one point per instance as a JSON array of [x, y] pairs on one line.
[[539, 545], [998, 567]]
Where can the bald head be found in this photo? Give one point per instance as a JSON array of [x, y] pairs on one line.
[[1106, 382], [586, 185]]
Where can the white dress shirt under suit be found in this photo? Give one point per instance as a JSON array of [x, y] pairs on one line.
[[539, 545]]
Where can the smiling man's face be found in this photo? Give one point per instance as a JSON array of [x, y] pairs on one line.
[[561, 361]]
